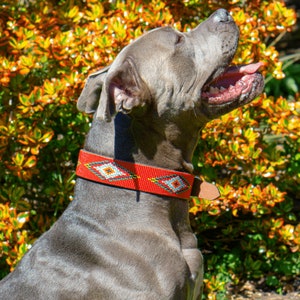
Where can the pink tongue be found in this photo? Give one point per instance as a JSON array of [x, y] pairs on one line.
[[251, 68]]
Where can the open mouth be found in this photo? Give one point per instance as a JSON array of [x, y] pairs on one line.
[[235, 83]]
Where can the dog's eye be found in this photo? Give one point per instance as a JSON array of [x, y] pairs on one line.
[[179, 39]]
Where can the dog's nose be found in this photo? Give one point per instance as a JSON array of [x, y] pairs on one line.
[[222, 15]]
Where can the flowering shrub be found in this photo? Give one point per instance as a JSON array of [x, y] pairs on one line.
[[13, 239], [46, 52]]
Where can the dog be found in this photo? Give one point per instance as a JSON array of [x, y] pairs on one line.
[[120, 238]]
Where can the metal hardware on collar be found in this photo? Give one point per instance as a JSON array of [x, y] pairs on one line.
[[142, 177]]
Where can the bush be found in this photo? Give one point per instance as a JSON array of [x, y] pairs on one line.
[[46, 52]]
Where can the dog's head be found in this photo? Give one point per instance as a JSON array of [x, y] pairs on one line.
[[171, 72]]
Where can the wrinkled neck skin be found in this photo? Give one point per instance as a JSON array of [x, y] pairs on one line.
[[145, 141]]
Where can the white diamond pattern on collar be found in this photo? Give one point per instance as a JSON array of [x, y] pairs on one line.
[[110, 171], [172, 183], [175, 184]]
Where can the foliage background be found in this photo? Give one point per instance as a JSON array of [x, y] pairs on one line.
[[47, 49]]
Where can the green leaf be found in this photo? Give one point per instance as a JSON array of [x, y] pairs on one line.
[[16, 193], [272, 280]]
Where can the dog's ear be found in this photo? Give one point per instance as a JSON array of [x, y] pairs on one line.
[[122, 91], [89, 98], [113, 89]]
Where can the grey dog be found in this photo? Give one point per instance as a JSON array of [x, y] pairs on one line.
[[116, 243]]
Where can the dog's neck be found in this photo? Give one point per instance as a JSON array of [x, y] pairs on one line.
[[129, 140]]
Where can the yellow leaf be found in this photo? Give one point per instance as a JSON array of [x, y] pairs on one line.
[[27, 61], [18, 159], [46, 138], [48, 87], [31, 162], [73, 12]]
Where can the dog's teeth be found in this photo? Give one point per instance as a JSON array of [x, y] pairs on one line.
[[214, 90], [222, 89]]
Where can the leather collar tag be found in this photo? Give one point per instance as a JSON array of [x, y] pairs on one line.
[[203, 189]]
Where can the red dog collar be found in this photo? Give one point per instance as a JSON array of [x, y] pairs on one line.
[[143, 178], [134, 176]]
